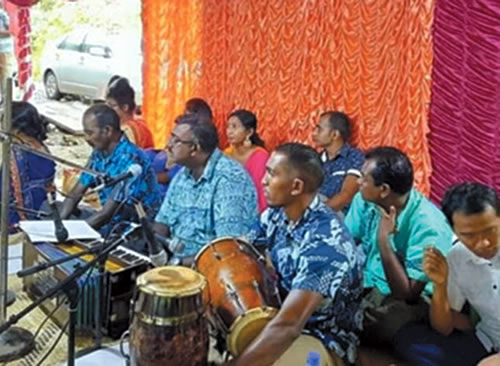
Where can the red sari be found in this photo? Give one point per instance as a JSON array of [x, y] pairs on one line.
[[138, 132]]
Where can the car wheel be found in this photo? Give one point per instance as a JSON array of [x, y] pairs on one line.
[[51, 87]]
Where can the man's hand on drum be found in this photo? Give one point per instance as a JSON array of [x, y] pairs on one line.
[[281, 331]]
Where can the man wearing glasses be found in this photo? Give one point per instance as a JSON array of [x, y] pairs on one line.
[[212, 196]]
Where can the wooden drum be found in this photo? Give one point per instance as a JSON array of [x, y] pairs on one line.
[[243, 297], [169, 326]]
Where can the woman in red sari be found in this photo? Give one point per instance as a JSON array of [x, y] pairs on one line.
[[248, 148], [121, 97]]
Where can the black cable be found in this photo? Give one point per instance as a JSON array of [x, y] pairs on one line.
[[46, 319], [63, 329]]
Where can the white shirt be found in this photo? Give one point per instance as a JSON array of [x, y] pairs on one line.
[[477, 281]]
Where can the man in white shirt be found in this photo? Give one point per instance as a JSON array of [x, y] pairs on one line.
[[470, 273]]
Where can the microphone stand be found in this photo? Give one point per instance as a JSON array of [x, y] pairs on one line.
[[43, 266], [70, 287], [30, 211]]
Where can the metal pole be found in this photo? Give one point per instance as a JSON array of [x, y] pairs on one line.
[[4, 217]]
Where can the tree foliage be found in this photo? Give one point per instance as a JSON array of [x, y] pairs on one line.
[[51, 19]]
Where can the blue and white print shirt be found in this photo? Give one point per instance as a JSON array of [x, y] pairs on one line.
[[318, 254], [222, 202], [143, 188]]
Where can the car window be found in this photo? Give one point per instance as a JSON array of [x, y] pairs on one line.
[[72, 42], [96, 41], [126, 45]]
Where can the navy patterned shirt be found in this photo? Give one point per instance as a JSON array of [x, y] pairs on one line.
[[349, 160], [222, 202], [317, 253], [143, 188]]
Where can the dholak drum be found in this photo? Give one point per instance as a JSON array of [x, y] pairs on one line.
[[169, 326], [243, 298], [307, 350]]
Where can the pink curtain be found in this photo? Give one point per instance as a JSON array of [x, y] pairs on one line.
[[465, 102]]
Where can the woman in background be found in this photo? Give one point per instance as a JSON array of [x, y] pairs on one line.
[[121, 97], [248, 148], [31, 175]]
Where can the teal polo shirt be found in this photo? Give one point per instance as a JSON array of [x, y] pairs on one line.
[[420, 224]]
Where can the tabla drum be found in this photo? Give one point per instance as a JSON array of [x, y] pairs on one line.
[[169, 326], [243, 295], [308, 350]]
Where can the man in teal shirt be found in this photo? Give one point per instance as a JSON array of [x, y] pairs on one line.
[[393, 223]]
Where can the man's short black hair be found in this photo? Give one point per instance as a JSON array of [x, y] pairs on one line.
[[104, 115], [204, 134], [469, 198], [199, 107], [306, 162], [392, 167], [340, 122]]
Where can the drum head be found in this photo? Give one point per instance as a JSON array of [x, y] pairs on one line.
[[247, 327], [171, 281], [308, 350]]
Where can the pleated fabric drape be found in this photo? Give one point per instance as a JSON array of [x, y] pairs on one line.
[[465, 108], [290, 60]]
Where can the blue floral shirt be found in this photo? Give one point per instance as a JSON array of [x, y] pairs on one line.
[[317, 253], [143, 188], [222, 202], [348, 161]]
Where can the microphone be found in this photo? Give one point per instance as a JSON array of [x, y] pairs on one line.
[[60, 231], [133, 171], [157, 253], [171, 246]]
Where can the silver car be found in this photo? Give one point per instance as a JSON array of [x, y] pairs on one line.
[[85, 61]]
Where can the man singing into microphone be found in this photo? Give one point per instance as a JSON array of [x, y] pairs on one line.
[[113, 155]]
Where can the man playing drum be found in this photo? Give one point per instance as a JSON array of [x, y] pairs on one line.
[[319, 270]]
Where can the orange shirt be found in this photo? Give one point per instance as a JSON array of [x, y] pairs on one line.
[[138, 132]]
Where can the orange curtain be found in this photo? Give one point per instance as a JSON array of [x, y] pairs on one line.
[[172, 60], [290, 60]]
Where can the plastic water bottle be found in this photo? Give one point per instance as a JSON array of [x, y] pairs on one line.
[[313, 359]]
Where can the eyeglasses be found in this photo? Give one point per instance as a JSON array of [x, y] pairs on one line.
[[174, 140]]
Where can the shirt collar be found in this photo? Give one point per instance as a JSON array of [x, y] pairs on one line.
[[342, 152], [482, 261], [123, 140], [209, 169], [313, 206], [413, 200]]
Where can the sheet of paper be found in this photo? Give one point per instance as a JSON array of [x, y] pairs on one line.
[[43, 230]]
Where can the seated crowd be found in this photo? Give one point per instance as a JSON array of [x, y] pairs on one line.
[[360, 255]]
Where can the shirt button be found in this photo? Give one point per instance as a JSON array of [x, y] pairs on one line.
[[494, 287]]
